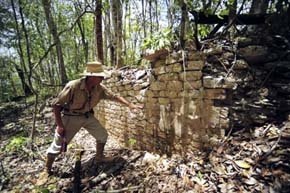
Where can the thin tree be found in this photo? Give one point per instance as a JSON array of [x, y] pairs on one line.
[[53, 30], [82, 29], [20, 71], [259, 6], [30, 65], [98, 31], [116, 8]]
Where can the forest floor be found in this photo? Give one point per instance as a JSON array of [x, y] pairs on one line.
[[252, 160]]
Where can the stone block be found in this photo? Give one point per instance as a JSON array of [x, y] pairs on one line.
[[150, 94], [155, 86], [151, 102], [168, 77], [190, 94], [177, 67], [159, 70], [190, 75], [159, 63], [241, 65], [192, 85], [195, 56], [163, 101], [175, 85], [218, 82], [128, 87], [131, 93], [195, 65], [174, 57], [215, 94], [153, 119], [177, 124], [172, 94]]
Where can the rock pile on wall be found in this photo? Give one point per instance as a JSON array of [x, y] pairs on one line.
[[259, 69]]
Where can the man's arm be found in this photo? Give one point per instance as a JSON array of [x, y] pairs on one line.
[[107, 94], [130, 105], [57, 114]]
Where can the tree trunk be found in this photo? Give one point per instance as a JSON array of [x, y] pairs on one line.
[[117, 23], [124, 32], [106, 38], [84, 41], [110, 54], [28, 50], [259, 6], [182, 23], [170, 14], [150, 17], [25, 87], [53, 30], [28, 54], [232, 12], [232, 17], [144, 18], [98, 31], [20, 71], [156, 16]]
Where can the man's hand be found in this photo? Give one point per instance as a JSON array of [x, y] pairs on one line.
[[60, 131], [133, 106]]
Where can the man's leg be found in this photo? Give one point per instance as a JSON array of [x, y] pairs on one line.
[[72, 126], [48, 163], [94, 127], [100, 151]]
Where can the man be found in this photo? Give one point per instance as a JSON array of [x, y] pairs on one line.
[[73, 109]]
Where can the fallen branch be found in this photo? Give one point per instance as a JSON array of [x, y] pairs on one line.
[[271, 150], [2, 169], [120, 190]]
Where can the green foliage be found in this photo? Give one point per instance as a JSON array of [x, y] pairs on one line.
[[16, 144], [203, 30], [132, 142], [159, 40], [42, 190], [222, 13], [52, 187], [10, 85], [199, 175]]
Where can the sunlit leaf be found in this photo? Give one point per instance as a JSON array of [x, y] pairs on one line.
[[242, 164]]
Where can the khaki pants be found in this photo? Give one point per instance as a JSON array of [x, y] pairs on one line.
[[72, 125]]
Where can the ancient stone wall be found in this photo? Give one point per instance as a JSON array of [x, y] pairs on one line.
[[179, 105], [189, 97]]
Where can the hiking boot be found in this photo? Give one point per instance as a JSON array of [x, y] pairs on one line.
[[104, 159], [48, 163], [100, 157]]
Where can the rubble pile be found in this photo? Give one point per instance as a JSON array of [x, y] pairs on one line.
[[258, 70]]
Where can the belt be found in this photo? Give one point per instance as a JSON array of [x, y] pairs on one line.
[[72, 113]]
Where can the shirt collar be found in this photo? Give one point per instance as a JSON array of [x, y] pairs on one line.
[[83, 83]]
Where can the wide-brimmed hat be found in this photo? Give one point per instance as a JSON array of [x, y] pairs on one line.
[[95, 68]]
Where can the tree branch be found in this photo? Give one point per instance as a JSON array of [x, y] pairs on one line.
[[75, 22], [44, 56], [242, 19]]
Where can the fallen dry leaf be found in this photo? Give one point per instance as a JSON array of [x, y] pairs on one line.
[[242, 164]]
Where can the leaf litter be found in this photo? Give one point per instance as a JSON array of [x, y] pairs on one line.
[[254, 160]]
